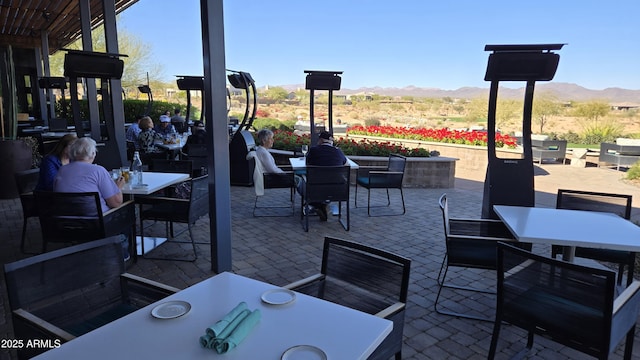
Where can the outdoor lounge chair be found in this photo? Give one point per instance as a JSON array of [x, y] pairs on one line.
[[567, 303], [366, 279], [470, 244], [618, 204], [382, 178], [65, 293]]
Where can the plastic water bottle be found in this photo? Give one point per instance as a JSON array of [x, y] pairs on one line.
[[136, 168]]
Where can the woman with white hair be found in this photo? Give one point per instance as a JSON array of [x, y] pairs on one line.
[[82, 175]]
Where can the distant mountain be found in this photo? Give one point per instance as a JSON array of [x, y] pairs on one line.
[[563, 91]]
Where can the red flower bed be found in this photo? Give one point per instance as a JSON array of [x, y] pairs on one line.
[[286, 140], [477, 138]]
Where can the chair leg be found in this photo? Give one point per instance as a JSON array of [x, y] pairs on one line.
[[193, 244], [404, 210], [24, 235], [356, 196], [494, 337], [441, 285], [628, 346], [631, 268]]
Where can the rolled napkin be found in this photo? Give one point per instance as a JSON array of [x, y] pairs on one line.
[[239, 332], [218, 327]]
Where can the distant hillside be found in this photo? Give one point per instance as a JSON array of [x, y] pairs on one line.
[[563, 91]]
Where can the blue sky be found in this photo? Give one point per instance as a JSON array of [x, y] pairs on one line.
[[424, 43]]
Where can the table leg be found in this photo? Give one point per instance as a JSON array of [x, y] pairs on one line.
[[568, 253]]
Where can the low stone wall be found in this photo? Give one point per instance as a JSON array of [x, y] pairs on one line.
[[434, 172], [470, 158]]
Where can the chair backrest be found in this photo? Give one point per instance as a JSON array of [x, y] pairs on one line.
[[70, 217], [199, 198], [57, 124], [618, 204], [373, 278], [26, 180], [396, 163], [172, 166], [327, 183], [59, 274], [568, 303], [198, 156]]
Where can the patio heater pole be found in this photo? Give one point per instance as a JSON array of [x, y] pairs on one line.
[[509, 181], [321, 80]]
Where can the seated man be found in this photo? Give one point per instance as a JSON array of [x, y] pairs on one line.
[[323, 154]]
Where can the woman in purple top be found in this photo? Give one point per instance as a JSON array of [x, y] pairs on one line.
[[52, 162], [82, 175]]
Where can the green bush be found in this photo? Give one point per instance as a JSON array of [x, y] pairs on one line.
[[634, 172], [371, 122]]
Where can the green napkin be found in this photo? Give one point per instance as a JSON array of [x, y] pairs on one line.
[[239, 333], [227, 333], [218, 327]]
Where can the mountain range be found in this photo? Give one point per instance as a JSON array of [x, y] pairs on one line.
[[562, 91]]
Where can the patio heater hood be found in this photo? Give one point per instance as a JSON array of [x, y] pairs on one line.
[[510, 181]]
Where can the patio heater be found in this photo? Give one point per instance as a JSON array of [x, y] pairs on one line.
[[242, 142], [509, 181], [60, 83], [145, 89], [189, 83], [106, 67], [321, 80]]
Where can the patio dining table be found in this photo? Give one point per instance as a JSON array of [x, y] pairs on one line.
[[570, 228], [304, 323], [152, 182]]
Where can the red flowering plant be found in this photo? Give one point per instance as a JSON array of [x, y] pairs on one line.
[[477, 138], [286, 140]]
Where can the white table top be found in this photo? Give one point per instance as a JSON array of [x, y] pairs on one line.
[[342, 333], [155, 181], [299, 163], [570, 227]]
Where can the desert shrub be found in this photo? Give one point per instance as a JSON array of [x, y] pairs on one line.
[[605, 131], [634, 172], [571, 137], [371, 121]]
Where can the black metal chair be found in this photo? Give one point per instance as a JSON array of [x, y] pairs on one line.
[[618, 204], [174, 210], [366, 279], [197, 153], [570, 304], [470, 244], [26, 182], [326, 184], [65, 293], [78, 217], [382, 178], [262, 181]]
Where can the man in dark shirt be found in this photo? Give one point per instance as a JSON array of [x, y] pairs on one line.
[[324, 154]]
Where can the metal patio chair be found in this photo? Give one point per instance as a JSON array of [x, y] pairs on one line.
[[382, 178]]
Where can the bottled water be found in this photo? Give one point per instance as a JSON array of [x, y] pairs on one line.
[[136, 168]]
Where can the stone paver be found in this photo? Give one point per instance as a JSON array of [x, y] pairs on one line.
[[278, 251]]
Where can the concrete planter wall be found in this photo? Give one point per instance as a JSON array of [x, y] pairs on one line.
[[434, 172], [470, 158]]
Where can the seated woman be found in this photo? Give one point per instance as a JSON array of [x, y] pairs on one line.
[[52, 162], [82, 175], [147, 139], [265, 142]]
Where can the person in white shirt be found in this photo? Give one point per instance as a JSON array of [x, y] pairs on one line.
[[265, 142]]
